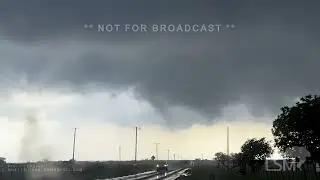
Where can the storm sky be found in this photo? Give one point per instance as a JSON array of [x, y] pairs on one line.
[[174, 80]]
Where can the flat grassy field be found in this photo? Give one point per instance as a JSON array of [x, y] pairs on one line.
[[84, 170]]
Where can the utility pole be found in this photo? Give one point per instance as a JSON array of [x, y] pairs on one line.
[[174, 156], [168, 154], [136, 144], [74, 143], [228, 152], [202, 156], [157, 155], [119, 153]]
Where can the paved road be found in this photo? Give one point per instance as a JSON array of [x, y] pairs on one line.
[[166, 176]]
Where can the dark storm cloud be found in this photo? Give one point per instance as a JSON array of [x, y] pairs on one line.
[[271, 56]]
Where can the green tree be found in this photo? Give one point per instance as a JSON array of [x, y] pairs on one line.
[[236, 159], [299, 125], [221, 158], [254, 151]]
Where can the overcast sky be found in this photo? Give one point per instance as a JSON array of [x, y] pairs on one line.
[[55, 64]]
